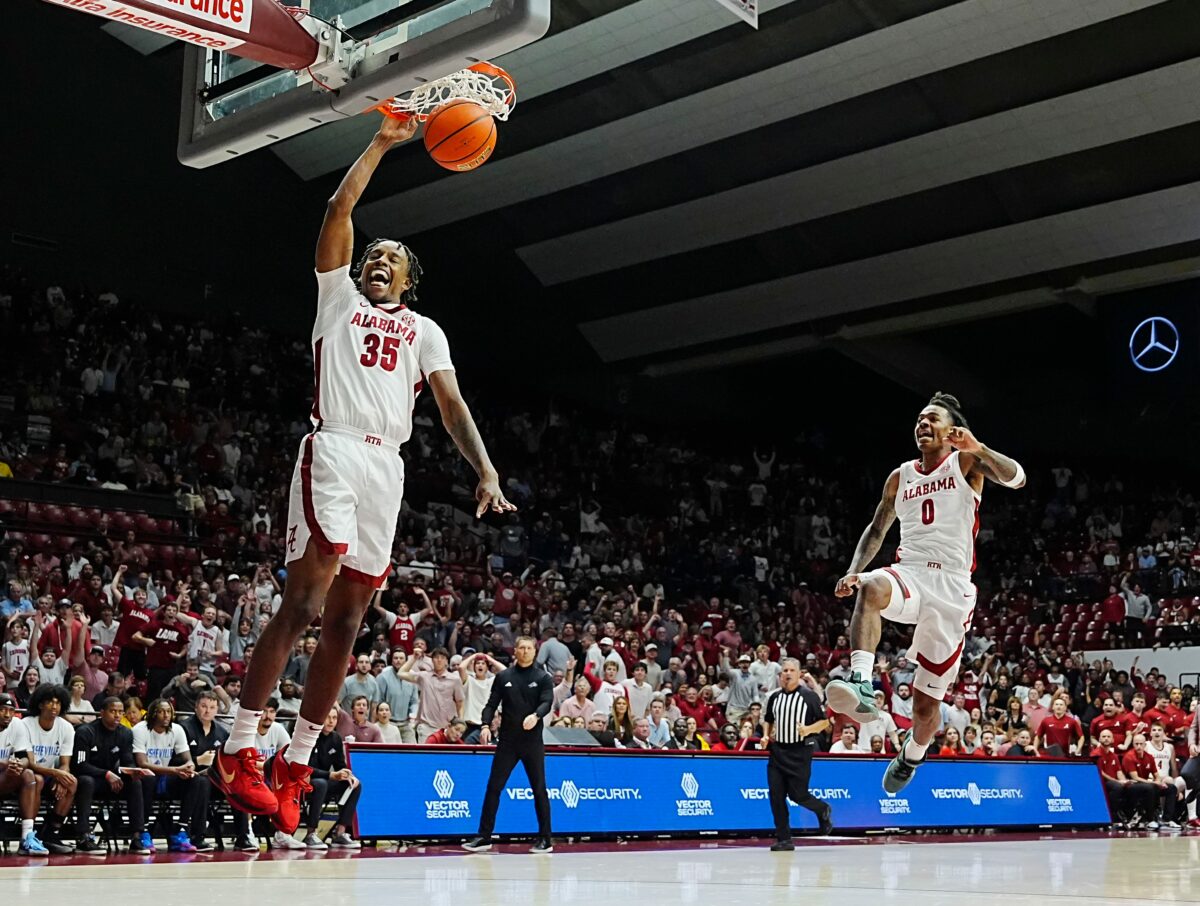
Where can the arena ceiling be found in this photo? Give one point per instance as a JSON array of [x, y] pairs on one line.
[[926, 190], [688, 193]]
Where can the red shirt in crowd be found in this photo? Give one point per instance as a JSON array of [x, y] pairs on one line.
[[970, 692], [439, 738], [1140, 763], [133, 619], [1109, 762], [1113, 609], [1116, 723], [54, 636], [709, 647], [699, 710], [169, 639], [981, 752], [1060, 731], [402, 634]]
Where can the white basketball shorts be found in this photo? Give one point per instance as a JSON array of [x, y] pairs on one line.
[[940, 603], [345, 499]]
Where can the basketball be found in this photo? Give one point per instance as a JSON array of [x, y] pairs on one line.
[[460, 135]]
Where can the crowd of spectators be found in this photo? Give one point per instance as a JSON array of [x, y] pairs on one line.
[[664, 576]]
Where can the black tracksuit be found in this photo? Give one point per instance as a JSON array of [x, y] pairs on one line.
[[98, 752], [519, 691], [329, 754]]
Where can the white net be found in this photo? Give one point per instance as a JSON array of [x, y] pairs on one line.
[[484, 84]]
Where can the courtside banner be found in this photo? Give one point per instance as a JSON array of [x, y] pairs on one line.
[[430, 792]]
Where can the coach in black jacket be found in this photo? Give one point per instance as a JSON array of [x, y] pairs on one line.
[[331, 779], [102, 748], [526, 694]]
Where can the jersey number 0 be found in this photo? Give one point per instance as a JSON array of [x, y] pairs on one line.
[[927, 511]]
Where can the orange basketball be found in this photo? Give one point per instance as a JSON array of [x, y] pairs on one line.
[[460, 135]]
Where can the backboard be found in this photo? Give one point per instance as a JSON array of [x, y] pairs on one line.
[[231, 105]]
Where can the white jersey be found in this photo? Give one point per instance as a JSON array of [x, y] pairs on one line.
[[272, 741], [46, 747], [13, 739], [939, 516], [159, 748], [370, 361], [1162, 757]]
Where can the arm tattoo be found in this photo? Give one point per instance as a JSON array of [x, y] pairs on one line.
[[995, 465], [461, 427], [872, 538]]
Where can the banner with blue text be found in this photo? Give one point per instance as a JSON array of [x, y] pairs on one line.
[[420, 793]]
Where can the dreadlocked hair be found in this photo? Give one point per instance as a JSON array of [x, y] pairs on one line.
[[950, 403], [409, 296]]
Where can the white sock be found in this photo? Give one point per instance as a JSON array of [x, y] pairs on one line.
[[862, 663], [913, 750], [26, 827], [1191, 808], [302, 742], [244, 732]]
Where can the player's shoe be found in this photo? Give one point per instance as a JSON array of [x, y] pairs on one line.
[[246, 844], [180, 843], [289, 782], [783, 846], [286, 841], [240, 778], [139, 847], [146, 844], [87, 846], [899, 771], [342, 840], [854, 697], [541, 845], [32, 846], [315, 843], [478, 845]]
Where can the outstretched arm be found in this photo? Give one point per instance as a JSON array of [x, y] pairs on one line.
[[983, 461], [459, 424], [335, 245], [872, 538]]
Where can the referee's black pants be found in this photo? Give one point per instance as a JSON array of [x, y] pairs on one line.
[[532, 754], [788, 770]]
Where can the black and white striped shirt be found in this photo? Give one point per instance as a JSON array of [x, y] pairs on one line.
[[787, 711]]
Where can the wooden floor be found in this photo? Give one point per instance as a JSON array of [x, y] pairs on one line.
[[1015, 870]]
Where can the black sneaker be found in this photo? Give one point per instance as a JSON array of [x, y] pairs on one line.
[[57, 847], [246, 845], [138, 848], [541, 845], [478, 845], [782, 846], [825, 817], [87, 846], [204, 846]]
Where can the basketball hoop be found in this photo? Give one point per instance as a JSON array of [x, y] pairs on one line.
[[484, 84]]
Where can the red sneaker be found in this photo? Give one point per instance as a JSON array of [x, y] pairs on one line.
[[240, 778], [290, 783], [1195, 822]]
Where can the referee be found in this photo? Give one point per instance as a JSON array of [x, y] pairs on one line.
[[793, 718], [526, 694]]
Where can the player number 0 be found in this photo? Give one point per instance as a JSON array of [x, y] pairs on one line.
[[927, 511]]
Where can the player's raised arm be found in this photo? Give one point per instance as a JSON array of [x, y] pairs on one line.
[[335, 245], [872, 538], [456, 417], [984, 461]]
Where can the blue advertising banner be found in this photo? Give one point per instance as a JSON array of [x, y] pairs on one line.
[[416, 792]]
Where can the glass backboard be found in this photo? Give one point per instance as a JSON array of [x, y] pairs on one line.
[[231, 105]]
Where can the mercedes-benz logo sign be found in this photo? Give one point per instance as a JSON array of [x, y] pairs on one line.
[[1154, 344]]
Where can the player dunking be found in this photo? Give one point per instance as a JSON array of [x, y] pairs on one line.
[[372, 355], [936, 498]]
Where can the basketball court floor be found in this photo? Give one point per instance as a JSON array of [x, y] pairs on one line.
[[1016, 870]]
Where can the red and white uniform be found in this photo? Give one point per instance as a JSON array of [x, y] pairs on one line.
[[931, 579], [370, 363]]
